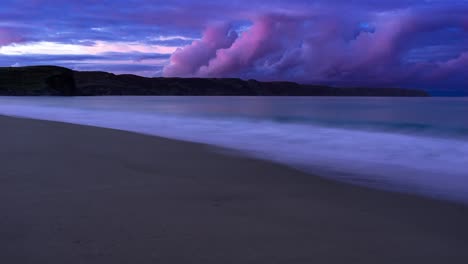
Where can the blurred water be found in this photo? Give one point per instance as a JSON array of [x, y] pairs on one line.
[[417, 145]]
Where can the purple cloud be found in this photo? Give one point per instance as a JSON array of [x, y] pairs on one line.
[[8, 36], [395, 43], [186, 61], [327, 48]]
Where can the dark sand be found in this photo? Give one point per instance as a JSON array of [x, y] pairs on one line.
[[75, 194]]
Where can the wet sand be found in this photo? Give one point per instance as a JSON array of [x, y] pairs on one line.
[[77, 194]]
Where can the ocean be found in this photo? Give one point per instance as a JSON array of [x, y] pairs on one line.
[[411, 145]]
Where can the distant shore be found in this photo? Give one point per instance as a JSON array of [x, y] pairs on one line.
[[59, 81], [78, 194]]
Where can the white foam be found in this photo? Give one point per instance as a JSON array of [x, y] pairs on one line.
[[431, 166]]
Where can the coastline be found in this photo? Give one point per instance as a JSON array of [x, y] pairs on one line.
[[74, 194], [54, 80]]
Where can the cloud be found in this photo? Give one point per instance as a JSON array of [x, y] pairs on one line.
[[328, 47], [145, 64], [90, 48], [397, 43], [266, 37], [453, 67], [68, 21], [186, 61], [8, 36]]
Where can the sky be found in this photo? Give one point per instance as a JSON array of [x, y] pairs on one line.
[[398, 43]]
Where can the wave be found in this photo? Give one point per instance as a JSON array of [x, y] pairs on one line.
[[435, 167]]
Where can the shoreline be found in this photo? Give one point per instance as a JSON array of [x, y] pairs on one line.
[[336, 176], [73, 194]]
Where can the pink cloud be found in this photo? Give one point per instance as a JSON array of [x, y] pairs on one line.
[[188, 60], [455, 66], [327, 48], [8, 36], [262, 39]]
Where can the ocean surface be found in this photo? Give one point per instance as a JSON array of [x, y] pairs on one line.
[[414, 145]]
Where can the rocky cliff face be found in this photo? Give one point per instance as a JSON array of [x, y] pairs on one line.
[[51, 80]]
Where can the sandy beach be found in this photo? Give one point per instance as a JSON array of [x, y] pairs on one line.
[[77, 194]]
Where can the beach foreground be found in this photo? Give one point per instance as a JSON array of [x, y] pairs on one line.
[[76, 194]]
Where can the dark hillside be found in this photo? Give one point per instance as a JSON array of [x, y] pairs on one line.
[[52, 80]]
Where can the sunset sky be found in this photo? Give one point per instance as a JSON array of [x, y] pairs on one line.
[[405, 43]]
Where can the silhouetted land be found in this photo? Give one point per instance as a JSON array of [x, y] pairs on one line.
[[53, 80]]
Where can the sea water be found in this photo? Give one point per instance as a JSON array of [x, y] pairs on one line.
[[414, 145]]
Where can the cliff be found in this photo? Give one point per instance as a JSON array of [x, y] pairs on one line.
[[52, 80]]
